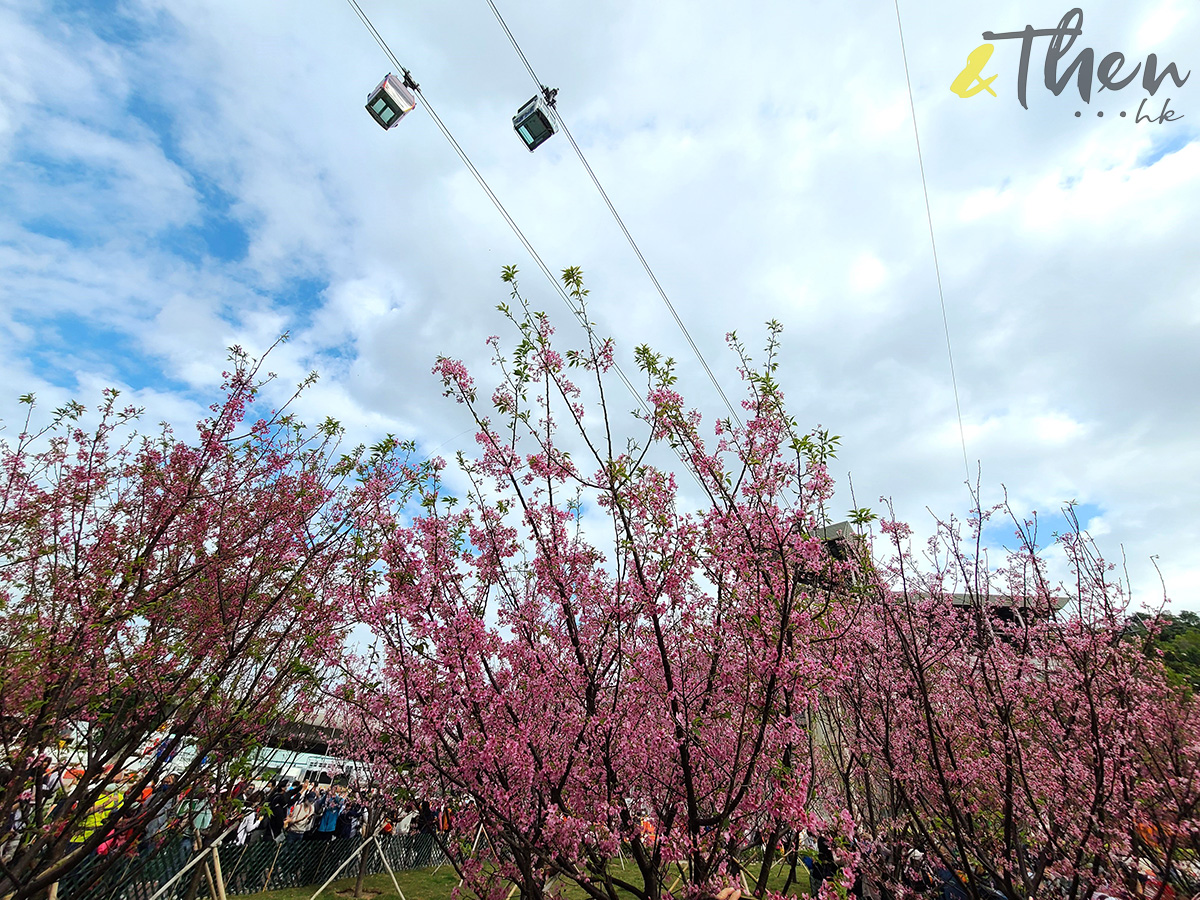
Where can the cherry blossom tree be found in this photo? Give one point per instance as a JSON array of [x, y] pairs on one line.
[[592, 661], [1014, 729], [162, 590], [588, 667]]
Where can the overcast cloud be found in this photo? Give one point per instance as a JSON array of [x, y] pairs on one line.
[[179, 176]]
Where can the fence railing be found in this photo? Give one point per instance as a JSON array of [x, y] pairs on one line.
[[261, 865]]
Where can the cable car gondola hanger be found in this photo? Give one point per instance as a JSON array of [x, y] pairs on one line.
[[393, 99], [537, 121]]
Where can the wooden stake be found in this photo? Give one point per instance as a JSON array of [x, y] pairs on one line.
[[212, 888], [270, 868], [353, 856], [474, 844], [389, 868], [162, 890], [220, 877]]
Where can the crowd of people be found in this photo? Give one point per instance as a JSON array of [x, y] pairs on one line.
[[920, 874], [166, 821], [163, 825], [306, 811], [908, 870]]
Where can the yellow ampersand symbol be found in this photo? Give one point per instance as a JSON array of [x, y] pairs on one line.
[[965, 84]]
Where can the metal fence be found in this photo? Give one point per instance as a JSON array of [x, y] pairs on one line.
[[262, 865]]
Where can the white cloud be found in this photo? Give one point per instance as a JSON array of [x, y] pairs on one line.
[[1161, 24], [867, 273]]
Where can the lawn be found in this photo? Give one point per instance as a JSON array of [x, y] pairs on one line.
[[417, 884], [431, 884]]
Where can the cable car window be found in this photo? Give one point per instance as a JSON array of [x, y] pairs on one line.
[[379, 105], [387, 115]]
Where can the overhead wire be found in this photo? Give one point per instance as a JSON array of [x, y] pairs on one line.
[[512, 224], [465, 158], [658, 286], [616, 216], [662, 293], [933, 244]]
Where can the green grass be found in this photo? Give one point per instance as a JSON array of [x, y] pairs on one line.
[[430, 884], [417, 884]]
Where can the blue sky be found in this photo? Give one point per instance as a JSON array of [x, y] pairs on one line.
[[178, 177]]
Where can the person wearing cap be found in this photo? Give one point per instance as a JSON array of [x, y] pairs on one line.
[[251, 822], [916, 876]]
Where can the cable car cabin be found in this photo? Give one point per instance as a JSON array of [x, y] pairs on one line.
[[534, 123], [390, 101]]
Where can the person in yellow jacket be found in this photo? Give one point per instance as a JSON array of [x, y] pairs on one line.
[[109, 800]]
